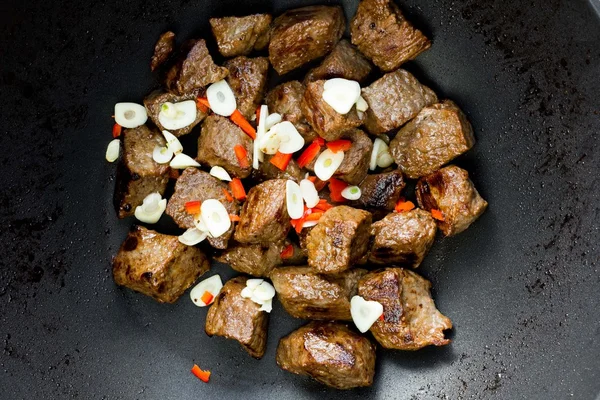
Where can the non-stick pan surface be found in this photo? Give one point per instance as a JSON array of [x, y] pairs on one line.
[[521, 285]]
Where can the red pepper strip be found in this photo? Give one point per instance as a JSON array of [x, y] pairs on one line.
[[193, 207], [335, 189], [204, 376], [288, 252], [381, 318], [234, 218], [228, 195], [323, 205], [237, 188], [299, 224], [238, 119], [117, 130], [314, 216], [207, 298], [241, 153], [437, 214], [339, 145], [320, 141], [281, 160], [402, 205], [309, 154], [202, 104]]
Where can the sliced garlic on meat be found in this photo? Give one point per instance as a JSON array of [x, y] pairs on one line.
[[271, 120], [192, 237], [309, 193], [361, 104], [264, 292], [200, 224], [327, 163], [385, 159], [112, 150], [215, 216], [260, 292], [173, 143], [212, 285], [351, 193], [162, 155], [364, 313], [309, 224], [341, 94], [269, 142], [267, 306], [257, 154], [378, 147], [173, 116], [253, 283], [221, 98], [130, 115], [220, 173], [293, 200], [151, 209], [182, 161], [290, 140]]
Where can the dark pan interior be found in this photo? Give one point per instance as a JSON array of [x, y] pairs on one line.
[[521, 285]]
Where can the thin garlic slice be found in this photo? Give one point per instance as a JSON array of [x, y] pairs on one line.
[[290, 140], [200, 224], [271, 120], [260, 292], [327, 163], [220, 173], [215, 216], [192, 237], [361, 104], [269, 143], [172, 142], [112, 150], [293, 200], [162, 155], [182, 161], [379, 146], [212, 285], [151, 209], [264, 292], [257, 155], [267, 306], [341, 94], [130, 115], [309, 224], [173, 116], [351, 193], [221, 98], [309, 193], [364, 313], [385, 159], [253, 283]]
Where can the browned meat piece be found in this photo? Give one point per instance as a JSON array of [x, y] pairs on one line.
[[343, 62], [248, 78], [254, 259], [158, 265], [308, 295], [235, 317], [264, 218], [154, 101], [380, 191], [410, 319], [162, 50], [286, 99], [395, 99], [238, 36], [451, 191], [383, 34], [195, 70], [267, 171], [330, 353], [196, 185], [402, 239], [327, 122], [304, 34], [216, 145], [340, 240], [138, 175], [437, 135]]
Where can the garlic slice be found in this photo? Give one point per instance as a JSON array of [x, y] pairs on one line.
[[309, 193], [212, 285], [172, 142], [309, 224], [327, 163], [351, 193], [130, 115], [220, 173], [257, 155], [341, 94], [182, 161], [151, 209], [192, 237], [379, 147], [173, 116], [267, 306], [221, 98], [162, 155], [260, 292], [112, 150], [271, 120], [215, 216], [253, 283], [364, 313], [290, 140], [385, 159], [293, 200], [200, 224], [269, 143], [361, 104]]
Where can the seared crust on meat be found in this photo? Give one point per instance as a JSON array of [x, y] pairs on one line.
[[162, 50], [248, 79], [286, 99], [344, 61], [238, 36], [380, 191], [254, 259]]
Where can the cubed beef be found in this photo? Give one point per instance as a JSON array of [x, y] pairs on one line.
[[197, 185], [238, 36], [450, 191], [154, 101], [286, 99], [380, 191], [158, 265], [216, 145], [162, 50], [254, 259], [395, 99], [264, 218], [308, 295], [138, 175], [437, 135], [410, 319], [267, 171], [345, 61], [330, 353], [194, 70], [383, 34], [235, 317], [402, 239], [340, 239], [327, 122], [304, 34], [248, 78]]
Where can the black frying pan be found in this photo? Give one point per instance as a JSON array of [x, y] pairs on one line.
[[521, 285]]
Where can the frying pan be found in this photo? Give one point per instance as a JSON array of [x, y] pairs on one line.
[[520, 285]]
